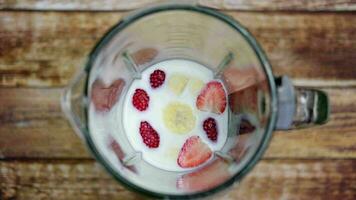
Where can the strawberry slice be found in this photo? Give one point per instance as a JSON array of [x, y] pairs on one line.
[[193, 153], [212, 98]]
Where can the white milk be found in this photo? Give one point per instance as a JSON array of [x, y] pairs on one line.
[[165, 156]]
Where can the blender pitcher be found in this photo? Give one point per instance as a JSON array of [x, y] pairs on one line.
[[258, 102]]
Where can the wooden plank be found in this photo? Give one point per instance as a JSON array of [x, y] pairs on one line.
[[58, 180], [34, 126], [46, 48], [110, 5], [32, 118], [301, 46], [107, 5], [282, 5], [270, 179]]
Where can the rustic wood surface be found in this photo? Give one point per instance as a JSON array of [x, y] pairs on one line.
[[44, 42], [85, 179], [297, 44], [120, 5]]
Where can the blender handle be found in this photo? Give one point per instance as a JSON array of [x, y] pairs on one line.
[[74, 103], [300, 107]]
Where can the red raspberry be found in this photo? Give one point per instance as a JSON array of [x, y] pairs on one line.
[[140, 99], [149, 135], [210, 129], [157, 78]]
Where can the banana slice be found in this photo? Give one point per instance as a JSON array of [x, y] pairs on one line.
[[178, 117], [177, 83], [195, 85]]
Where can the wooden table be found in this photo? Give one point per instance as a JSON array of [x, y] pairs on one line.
[[43, 43]]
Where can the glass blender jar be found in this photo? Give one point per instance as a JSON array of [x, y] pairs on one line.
[[258, 102]]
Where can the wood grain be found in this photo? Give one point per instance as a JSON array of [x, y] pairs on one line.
[[45, 49], [270, 179], [282, 5], [110, 5], [58, 180], [42, 158], [32, 118]]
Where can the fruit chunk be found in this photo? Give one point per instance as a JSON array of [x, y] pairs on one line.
[[104, 97], [144, 55], [210, 128], [157, 78], [149, 135], [212, 98], [193, 153], [238, 79], [178, 117], [243, 145], [245, 100], [140, 99], [246, 127], [205, 178], [119, 153], [177, 83], [195, 85]]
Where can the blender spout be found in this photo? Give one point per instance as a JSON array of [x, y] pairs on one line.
[[74, 102]]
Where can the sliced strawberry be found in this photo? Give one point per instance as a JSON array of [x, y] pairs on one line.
[[205, 178], [211, 129], [157, 78], [193, 153], [149, 135], [212, 98], [140, 99]]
